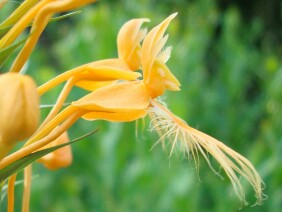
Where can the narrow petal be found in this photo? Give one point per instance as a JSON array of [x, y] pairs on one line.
[[116, 117], [103, 73], [102, 70], [151, 40], [114, 62], [128, 41], [157, 75], [92, 85], [119, 97]]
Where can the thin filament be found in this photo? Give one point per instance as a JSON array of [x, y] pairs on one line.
[[27, 187]]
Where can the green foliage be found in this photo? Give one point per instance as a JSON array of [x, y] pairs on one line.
[[20, 164], [231, 72], [8, 51]]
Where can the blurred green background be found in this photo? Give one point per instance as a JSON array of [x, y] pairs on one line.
[[227, 56]]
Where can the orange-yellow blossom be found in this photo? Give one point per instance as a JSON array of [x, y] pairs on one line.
[[128, 101], [134, 98]]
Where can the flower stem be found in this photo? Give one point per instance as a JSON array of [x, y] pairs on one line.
[[60, 102], [11, 193], [27, 186]]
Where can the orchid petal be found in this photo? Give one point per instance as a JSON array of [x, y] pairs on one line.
[[92, 85], [151, 41], [129, 37], [157, 75], [116, 117], [120, 97], [103, 73], [113, 62]]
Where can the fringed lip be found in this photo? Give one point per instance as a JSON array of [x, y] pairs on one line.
[[175, 132]]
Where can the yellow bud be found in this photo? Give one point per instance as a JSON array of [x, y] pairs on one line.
[[59, 158], [19, 108]]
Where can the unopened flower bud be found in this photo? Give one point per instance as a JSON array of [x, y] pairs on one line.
[[59, 158], [19, 109]]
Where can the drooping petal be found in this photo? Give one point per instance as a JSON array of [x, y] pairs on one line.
[[114, 62], [116, 117], [119, 97], [128, 42], [156, 74], [103, 73], [177, 133], [104, 70], [92, 85]]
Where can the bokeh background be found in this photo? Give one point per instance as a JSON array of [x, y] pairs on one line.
[[227, 56]]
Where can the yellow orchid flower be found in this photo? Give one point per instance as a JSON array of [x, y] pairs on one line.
[[129, 101], [132, 99]]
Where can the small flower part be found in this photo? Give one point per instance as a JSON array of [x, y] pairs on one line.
[[128, 41], [60, 158], [19, 107], [157, 75]]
